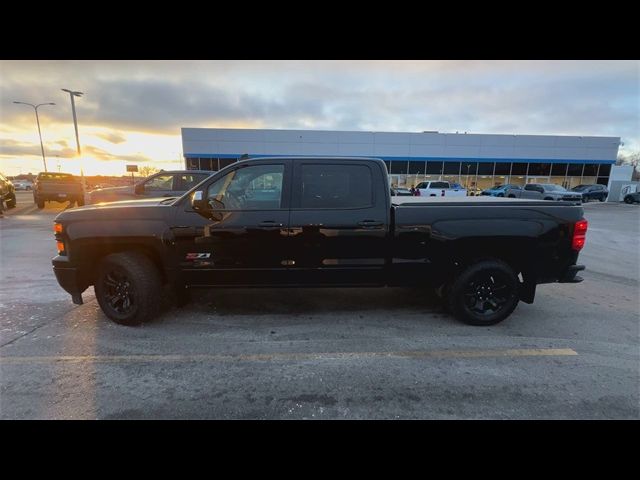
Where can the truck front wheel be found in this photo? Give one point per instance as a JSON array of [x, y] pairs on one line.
[[128, 288], [485, 293]]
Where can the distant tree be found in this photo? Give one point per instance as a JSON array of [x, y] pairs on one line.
[[632, 158], [147, 170]]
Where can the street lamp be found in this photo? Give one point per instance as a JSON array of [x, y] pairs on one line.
[[73, 94], [35, 107]]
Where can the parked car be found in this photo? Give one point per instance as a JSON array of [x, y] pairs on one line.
[[440, 189], [162, 184], [7, 192], [401, 192], [57, 187], [500, 190], [331, 223], [23, 185], [632, 198], [544, 191], [592, 192]]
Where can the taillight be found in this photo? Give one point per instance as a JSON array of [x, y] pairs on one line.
[[579, 235]]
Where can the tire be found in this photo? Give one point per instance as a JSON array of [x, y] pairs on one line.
[[628, 200], [512, 196], [473, 298], [602, 198], [128, 288], [80, 201], [11, 202], [38, 202]]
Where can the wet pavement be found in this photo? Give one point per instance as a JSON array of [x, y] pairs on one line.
[[321, 354]]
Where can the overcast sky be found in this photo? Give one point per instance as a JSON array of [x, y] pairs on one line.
[[132, 111]]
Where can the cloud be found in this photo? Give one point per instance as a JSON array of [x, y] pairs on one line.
[[112, 137], [524, 97]]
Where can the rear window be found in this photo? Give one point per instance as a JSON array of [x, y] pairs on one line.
[[336, 186], [60, 177]]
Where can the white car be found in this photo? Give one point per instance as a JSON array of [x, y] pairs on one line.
[[440, 189], [23, 184]]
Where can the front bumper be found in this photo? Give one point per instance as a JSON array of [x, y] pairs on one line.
[[70, 279], [570, 276]]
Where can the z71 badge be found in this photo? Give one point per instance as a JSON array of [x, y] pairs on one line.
[[197, 256]]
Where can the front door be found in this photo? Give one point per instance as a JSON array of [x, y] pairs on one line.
[[243, 240]]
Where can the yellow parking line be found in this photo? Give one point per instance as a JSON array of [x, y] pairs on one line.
[[266, 357]]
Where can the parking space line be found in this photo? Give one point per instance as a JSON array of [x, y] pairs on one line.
[[266, 357]]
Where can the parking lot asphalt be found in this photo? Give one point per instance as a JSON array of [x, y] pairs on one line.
[[325, 353]]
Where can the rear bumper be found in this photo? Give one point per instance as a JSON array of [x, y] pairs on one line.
[[570, 274]]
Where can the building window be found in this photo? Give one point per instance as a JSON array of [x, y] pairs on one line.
[[503, 168], [485, 168], [559, 169], [399, 167], [590, 170], [417, 168], [193, 164], [603, 180], [205, 164], [605, 169], [225, 162], [519, 169], [539, 169], [451, 168], [575, 170], [469, 168], [434, 168]]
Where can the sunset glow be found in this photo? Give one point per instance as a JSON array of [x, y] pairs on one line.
[[132, 111]]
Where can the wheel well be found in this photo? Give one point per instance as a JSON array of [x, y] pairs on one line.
[[510, 251], [97, 253]]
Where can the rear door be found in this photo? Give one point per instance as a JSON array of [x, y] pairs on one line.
[[338, 224], [532, 190]]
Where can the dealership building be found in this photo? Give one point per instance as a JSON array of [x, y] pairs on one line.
[[475, 161]]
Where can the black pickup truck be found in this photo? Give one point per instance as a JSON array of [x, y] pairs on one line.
[[316, 222]]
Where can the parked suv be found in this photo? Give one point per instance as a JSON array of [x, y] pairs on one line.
[[7, 192], [592, 192], [544, 191], [162, 184], [499, 190]]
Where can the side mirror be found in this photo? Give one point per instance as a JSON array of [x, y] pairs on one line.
[[139, 189], [199, 203]]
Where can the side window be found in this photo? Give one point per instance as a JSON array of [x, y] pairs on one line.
[[257, 187], [190, 180], [335, 186], [439, 185], [531, 187], [161, 182], [422, 185]]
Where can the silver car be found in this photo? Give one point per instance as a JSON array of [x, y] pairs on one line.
[[544, 191]]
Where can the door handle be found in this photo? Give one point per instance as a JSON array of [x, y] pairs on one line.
[[370, 223], [269, 225]]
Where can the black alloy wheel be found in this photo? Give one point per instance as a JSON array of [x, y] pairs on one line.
[[485, 293]]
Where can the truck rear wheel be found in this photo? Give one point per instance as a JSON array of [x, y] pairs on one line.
[[128, 288], [485, 293], [38, 202]]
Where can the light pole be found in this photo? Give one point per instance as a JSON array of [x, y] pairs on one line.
[[73, 94], [35, 107]]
